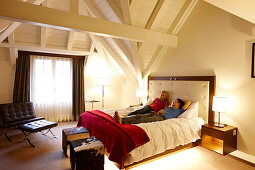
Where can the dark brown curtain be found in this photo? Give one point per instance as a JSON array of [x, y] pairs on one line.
[[21, 91], [78, 87]]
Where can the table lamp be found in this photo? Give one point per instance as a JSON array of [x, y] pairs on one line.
[[102, 82], [139, 94], [219, 105]]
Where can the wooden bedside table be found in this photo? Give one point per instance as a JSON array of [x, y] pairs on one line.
[[221, 140]]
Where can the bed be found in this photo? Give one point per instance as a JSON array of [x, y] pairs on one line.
[[165, 136]]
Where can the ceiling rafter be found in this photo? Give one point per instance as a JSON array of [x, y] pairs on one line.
[[8, 31], [111, 53], [13, 51], [174, 29], [116, 10], [70, 40], [102, 52], [133, 45], [112, 56], [32, 47], [152, 18], [43, 30], [117, 43], [43, 37], [95, 13], [99, 41], [70, 21], [182, 16], [14, 25], [4, 24], [92, 47]]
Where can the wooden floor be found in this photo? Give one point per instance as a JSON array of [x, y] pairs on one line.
[[48, 155]]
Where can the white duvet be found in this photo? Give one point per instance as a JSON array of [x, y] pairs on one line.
[[165, 135]]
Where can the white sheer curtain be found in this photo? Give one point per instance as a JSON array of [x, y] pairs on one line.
[[51, 87]]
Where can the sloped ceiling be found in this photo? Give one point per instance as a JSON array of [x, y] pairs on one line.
[[136, 59]]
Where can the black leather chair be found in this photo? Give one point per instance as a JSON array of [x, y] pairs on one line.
[[14, 114]]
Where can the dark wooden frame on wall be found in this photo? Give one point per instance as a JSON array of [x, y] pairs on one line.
[[212, 82], [252, 61]]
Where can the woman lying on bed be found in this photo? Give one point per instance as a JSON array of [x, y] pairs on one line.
[[157, 105], [168, 113]]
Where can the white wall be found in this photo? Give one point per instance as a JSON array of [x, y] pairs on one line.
[[6, 76], [214, 42], [97, 67]]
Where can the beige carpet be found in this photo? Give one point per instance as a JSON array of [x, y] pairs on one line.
[[48, 155]]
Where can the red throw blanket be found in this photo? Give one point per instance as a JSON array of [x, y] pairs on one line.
[[119, 139]]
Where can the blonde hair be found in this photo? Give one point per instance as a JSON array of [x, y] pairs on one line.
[[167, 95]]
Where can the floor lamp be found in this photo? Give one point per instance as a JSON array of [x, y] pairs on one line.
[[219, 105], [103, 82]]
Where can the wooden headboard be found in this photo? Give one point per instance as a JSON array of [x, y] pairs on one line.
[[196, 88]]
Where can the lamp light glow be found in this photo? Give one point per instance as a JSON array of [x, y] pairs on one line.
[[220, 104], [103, 82], [139, 94]]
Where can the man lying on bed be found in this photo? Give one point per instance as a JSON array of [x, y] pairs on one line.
[[170, 112]]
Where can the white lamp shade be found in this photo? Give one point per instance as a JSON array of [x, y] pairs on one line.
[[139, 93], [220, 104], [103, 81]]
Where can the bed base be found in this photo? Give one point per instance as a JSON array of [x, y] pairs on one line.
[[161, 155]]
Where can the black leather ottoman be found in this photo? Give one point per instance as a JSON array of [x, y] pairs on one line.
[[87, 154], [37, 126]]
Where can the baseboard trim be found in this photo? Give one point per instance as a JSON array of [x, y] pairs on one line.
[[242, 159]]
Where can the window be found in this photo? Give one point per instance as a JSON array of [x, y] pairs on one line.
[[51, 87]]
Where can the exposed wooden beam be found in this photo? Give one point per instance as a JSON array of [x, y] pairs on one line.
[[4, 24], [117, 70], [32, 47], [35, 14], [240, 8], [9, 30], [43, 30], [36, 2], [125, 10], [152, 18], [43, 37], [92, 46], [13, 51], [116, 9], [154, 14], [14, 25], [182, 16], [74, 7], [123, 51], [125, 54], [133, 45], [70, 40], [109, 61], [128, 72]]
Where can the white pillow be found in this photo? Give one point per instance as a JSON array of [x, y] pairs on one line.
[[191, 112], [149, 102]]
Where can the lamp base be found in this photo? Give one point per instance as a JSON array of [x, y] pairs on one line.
[[219, 125]]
